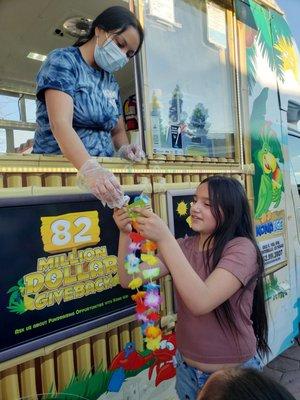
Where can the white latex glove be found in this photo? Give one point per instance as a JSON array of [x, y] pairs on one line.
[[101, 183], [131, 152]]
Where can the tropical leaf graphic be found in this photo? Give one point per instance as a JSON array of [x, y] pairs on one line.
[[17, 308], [273, 30], [16, 303], [92, 385], [273, 288], [251, 56], [280, 27]]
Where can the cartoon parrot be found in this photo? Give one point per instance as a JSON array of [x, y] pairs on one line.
[[271, 182], [127, 360], [267, 154]]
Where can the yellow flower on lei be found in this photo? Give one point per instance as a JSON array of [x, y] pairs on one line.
[[151, 273], [153, 344], [138, 295], [152, 332], [135, 283], [153, 337], [149, 259]]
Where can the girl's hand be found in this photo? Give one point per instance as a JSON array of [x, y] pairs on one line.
[[122, 220], [151, 226]]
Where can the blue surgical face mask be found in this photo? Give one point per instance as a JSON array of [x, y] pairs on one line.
[[109, 56]]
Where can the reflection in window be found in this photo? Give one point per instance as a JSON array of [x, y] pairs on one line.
[[189, 78], [30, 106], [23, 141], [2, 141], [9, 108]]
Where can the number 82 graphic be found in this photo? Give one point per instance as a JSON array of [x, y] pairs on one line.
[[69, 231]]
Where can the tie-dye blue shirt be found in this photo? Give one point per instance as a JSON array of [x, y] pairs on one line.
[[96, 97]]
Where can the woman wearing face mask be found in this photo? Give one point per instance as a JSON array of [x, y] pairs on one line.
[[79, 110]]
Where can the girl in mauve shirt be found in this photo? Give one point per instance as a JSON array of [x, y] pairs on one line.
[[217, 274]]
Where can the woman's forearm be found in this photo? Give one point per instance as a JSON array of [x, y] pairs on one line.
[[60, 113], [70, 144], [118, 134], [119, 139]]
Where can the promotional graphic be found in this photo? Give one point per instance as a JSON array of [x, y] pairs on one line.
[[61, 275], [179, 204]]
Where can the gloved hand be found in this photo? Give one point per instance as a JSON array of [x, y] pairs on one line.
[[101, 183], [131, 152]]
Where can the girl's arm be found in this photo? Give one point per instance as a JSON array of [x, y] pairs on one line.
[[201, 297], [124, 242], [123, 223]]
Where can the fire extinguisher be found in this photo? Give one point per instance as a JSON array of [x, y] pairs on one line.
[[130, 113]]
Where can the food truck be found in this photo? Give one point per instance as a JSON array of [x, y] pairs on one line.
[[215, 90]]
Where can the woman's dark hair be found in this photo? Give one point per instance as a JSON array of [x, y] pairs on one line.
[[114, 19], [243, 384], [231, 210]]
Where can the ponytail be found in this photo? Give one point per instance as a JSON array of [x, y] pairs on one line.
[[114, 19], [259, 314]]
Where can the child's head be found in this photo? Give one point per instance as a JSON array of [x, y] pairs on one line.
[[242, 384], [221, 208]]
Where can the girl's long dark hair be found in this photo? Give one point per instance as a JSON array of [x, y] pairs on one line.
[[230, 208], [114, 19]]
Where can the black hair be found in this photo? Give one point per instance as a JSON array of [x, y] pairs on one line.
[[114, 19], [244, 384], [231, 210]]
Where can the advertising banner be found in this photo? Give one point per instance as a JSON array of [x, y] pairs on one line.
[[59, 274]]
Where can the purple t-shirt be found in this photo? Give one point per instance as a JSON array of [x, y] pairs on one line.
[[201, 338]]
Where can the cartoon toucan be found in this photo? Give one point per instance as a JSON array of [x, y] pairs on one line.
[[127, 360]]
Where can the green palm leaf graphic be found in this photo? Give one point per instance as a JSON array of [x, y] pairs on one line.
[[15, 302], [272, 27]]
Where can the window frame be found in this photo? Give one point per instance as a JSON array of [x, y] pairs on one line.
[[10, 126], [144, 106]]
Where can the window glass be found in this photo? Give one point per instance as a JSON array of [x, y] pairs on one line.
[[23, 141], [9, 108], [189, 78], [2, 141], [294, 151], [30, 106]]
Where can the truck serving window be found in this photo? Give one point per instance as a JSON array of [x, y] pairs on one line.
[[293, 119], [188, 78], [28, 39]]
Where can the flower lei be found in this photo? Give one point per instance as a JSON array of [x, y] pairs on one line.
[[147, 301]]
